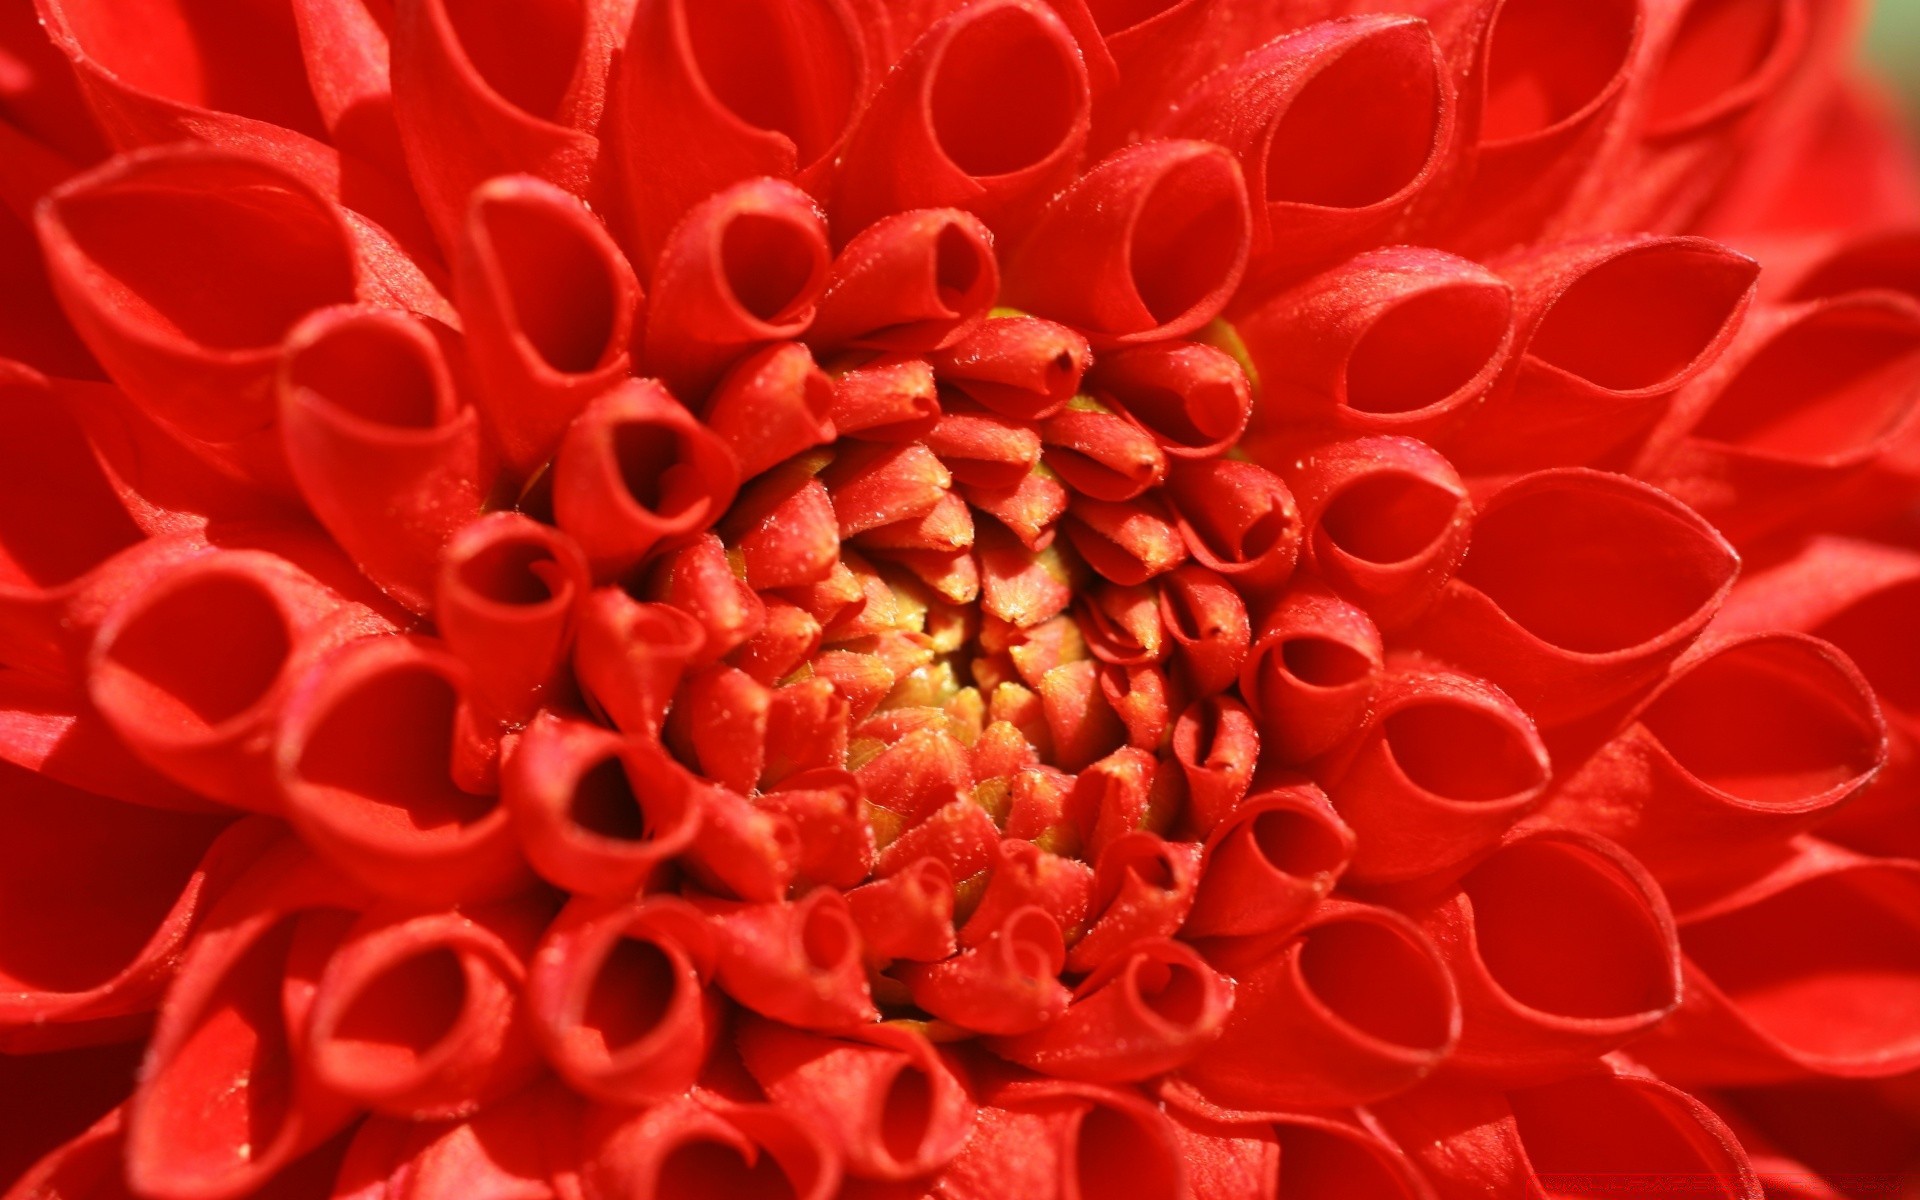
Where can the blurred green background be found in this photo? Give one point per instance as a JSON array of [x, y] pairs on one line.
[[1893, 45]]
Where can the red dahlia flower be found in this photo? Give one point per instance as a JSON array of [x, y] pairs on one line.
[[956, 599]]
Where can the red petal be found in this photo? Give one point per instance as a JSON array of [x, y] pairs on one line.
[[745, 266], [595, 813], [1268, 864], [1339, 128], [419, 1016], [888, 1101], [1441, 767], [618, 998], [1397, 340], [634, 469], [1312, 673], [913, 282], [364, 752], [986, 112], [1547, 607], [699, 107], [377, 444], [1148, 245], [549, 305], [1356, 1008], [1149, 1012], [799, 963]]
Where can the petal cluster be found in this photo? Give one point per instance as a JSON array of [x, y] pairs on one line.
[[1182, 599]]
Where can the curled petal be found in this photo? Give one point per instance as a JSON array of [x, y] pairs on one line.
[[876, 485], [698, 107], [1387, 521], [1357, 1007], [630, 656], [828, 809], [206, 721], [1064, 1140], [910, 283], [365, 751], [1607, 329], [1320, 1156], [1269, 864], [102, 898], [1829, 920], [745, 266], [1127, 543], [378, 445], [887, 400], [1396, 340], [1562, 947], [419, 1016], [772, 405], [231, 1027], [1339, 128], [617, 997], [521, 1145], [481, 92], [1547, 606], [685, 1147], [987, 112], [799, 963], [596, 813], [509, 595], [1598, 1123], [636, 468], [1028, 877], [909, 914], [549, 306], [1192, 399], [1312, 673], [895, 1109], [1438, 771], [1143, 887], [1206, 620], [1018, 366], [1101, 454], [183, 269], [1148, 245], [1805, 398], [742, 850], [1140, 1015], [1748, 742], [1540, 85], [1217, 745], [1008, 984], [1238, 519]]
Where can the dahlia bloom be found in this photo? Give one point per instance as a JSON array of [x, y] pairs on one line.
[[962, 599]]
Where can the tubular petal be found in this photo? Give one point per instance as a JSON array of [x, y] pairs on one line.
[[1148, 245], [1357, 1007], [549, 306]]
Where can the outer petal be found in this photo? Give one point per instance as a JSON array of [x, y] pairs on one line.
[[378, 445], [619, 998], [1147, 245], [1608, 328], [550, 307], [1357, 1007], [1339, 129], [365, 755], [1440, 769], [1397, 340], [1829, 920], [1548, 607], [699, 107], [987, 112], [686, 1147]]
